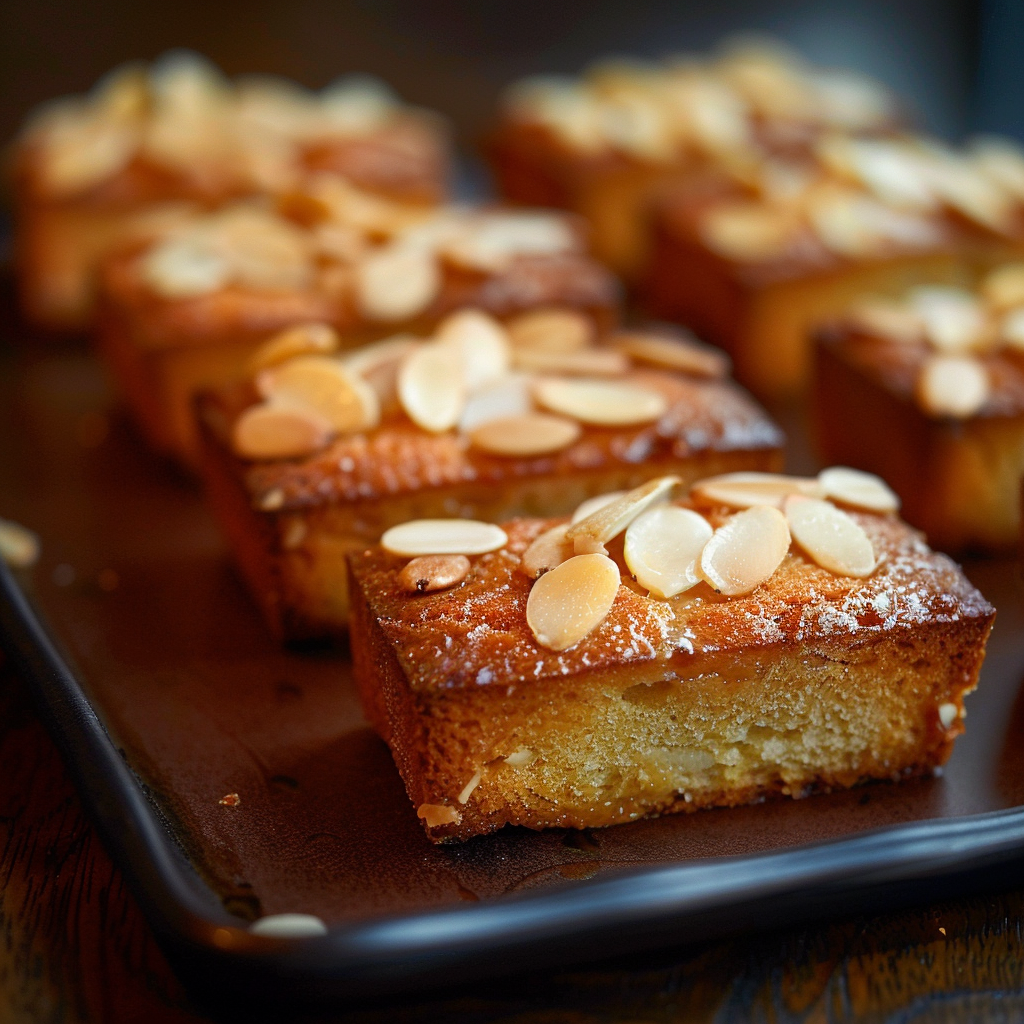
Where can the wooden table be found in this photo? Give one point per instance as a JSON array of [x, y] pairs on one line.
[[76, 948]]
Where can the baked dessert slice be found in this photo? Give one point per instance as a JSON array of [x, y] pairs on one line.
[[928, 391], [185, 310], [755, 263], [92, 171], [713, 656], [320, 454], [604, 144]]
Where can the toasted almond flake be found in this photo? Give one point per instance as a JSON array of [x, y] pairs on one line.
[[435, 815], [322, 386], [85, 152], [396, 283], [520, 757], [301, 340], [530, 434], [184, 267], [892, 321], [467, 790], [263, 250], [428, 573], [272, 431], [443, 537], [571, 600], [548, 550], [744, 490], [1011, 331], [19, 546], [552, 330], [593, 532], [748, 233], [1003, 288], [680, 354], [378, 364], [859, 489], [948, 714], [745, 550], [955, 386], [288, 926], [491, 241], [431, 388], [593, 363], [663, 547], [509, 395], [480, 345], [271, 501], [953, 318], [591, 505], [832, 538], [600, 402]]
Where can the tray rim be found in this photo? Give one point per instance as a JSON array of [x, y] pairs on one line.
[[627, 911]]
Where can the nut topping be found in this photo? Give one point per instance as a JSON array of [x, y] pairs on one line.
[[301, 340], [663, 546], [1003, 288], [591, 505], [435, 815], [428, 573], [593, 532], [551, 548], [591, 363], [431, 388], [396, 283], [948, 714], [443, 537], [322, 386], [748, 232], [523, 436], [673, 354], [861, 490], [571, 600], [552, 330], [479, 344], [954, 321], [831, 537], [378, 363], [893, 321], [271, 431], [745, 550], [507, 396], [956, 386], [744, 490], [601, 403]]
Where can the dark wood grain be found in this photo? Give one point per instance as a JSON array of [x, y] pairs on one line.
[[75, 948]]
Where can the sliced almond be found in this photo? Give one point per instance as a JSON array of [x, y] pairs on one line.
[[428, 573], [480, 343], [523, 436], [396, 283], [948, 714], [831, 537], [443, 537], [491, 241], [859, 489], [663, 547], [520, 758], [378, 365], [571, 600], [431, 388], [270, 431], [673, 354], [745, 550], [182, 268], [469, 787], [301, 340], [593, 532], [748, 232], [322, 386], [509, 395], [889, 320], [435, 815], [1003, 288], [1011, 331], [551, 548], [953, 318], [592, 363], [599, 402], [955, 386], [19, 546], [552, 330], [744, 490], [591, 505]]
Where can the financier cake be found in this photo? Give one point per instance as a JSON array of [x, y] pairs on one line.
[[766, 636], [318, 453]]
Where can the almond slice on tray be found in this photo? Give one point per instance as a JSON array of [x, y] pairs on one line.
[[744, 490], [1003, 288], [591, 505], [552, 330], [889, 320], [590, 363], [431, 388], [378, 363], [663, 547], [301, 340], [954, 386], [551, 548], [745, 550], [270, 431], [322, 386], [953, 318], [571, 600], [859, 489], [479, 343], [534, 433], [396, 283], [673, 354], [835, 540], [600, 402], [1011, 331], [427, 573], [185, 267], [608, 521], [443, 537], [509, 395]]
